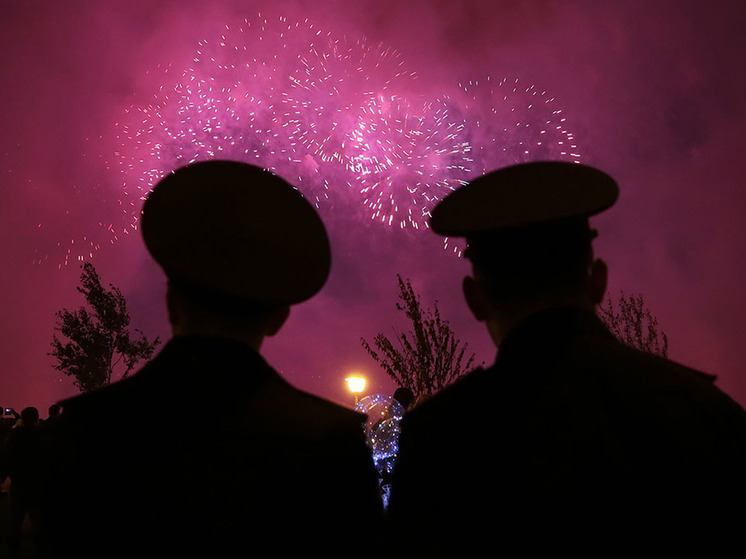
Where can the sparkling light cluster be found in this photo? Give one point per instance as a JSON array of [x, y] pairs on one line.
[[334, 116], [384, 415]]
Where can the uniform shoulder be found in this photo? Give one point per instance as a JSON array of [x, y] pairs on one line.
[[637, 370], [658, 391], [463, 393], [106, 398], [283, 404], [325, 409]]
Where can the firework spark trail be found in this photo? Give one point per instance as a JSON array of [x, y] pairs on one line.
[[226, 104], [407, 157], [93, 211], [333, 116], [328, 92], [509, 122], [332, 89]]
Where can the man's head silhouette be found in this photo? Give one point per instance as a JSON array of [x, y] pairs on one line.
[[528, 238], [238, 244]]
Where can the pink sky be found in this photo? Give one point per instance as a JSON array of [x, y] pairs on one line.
[[652, 91]]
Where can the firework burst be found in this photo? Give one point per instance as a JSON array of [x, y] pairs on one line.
[[333, 116], [333, 87], [225, 104], [407, 156], [510, 122]]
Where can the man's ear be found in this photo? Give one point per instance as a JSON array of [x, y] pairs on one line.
[[173, 306], [476, 298], [597, 281], [275, 320]]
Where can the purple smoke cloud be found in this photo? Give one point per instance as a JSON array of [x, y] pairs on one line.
[[653, 94]]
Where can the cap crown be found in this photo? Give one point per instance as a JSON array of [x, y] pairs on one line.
[[237, 230], [524, 194]]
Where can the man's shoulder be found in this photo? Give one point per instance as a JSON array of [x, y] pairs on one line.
[[668, 388], [466, 395], [631, 371], [282, 404], [106, 399], [125, 392]]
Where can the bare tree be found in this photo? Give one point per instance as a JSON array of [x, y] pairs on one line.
[[426, 359], [632, 322], [98, 340]]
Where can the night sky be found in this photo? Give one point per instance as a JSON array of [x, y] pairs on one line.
[[651, 92]]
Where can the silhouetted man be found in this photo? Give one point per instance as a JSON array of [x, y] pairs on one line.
[[571, 441], [273, 471], [25, 454]]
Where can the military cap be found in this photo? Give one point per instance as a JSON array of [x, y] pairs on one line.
[[236, 231], [523, 195]]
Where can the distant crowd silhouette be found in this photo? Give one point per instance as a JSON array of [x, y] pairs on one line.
[[571, 442], [25, 440]]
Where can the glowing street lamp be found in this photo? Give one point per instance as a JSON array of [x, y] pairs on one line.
[[356, 385]]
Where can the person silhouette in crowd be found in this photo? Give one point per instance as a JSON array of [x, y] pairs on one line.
[[404, 396], [6, 425], [25, 459], [8, 420], [281, 471], [571, 441], [53, 413]]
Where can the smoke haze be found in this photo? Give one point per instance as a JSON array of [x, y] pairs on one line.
[[652, 92]]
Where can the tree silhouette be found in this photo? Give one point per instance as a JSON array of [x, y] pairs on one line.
[[98, 340], [632, 322], [426, 359]]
